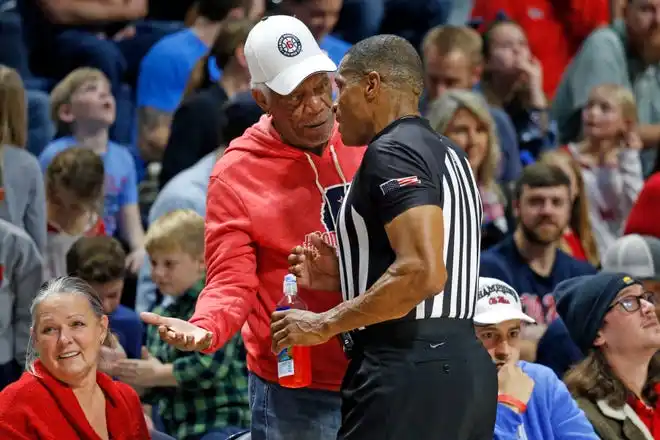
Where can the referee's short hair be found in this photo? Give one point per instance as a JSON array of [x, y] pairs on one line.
[[541, 175], [393, 57]]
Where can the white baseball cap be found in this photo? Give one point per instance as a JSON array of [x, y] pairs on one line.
[[281, 52], [497, 302]]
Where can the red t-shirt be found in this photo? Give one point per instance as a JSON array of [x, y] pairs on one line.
[[650, 416]]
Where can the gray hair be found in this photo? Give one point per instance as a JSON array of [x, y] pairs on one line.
[[60, 286], [263, 88]]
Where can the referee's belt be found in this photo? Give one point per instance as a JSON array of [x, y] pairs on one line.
[[402, 333]]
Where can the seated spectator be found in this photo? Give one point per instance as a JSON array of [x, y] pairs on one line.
[[199, 396], [609, 160], [100, 261], [165, 70], [14, 55], [626, 54], [613, 322], [635, 255], [74, 196], [22, 199], [83, 105], [199, 121], [578, 239], [530, 260], [62, 381], [21, 269], [555, 29], [463, 117], [513, 81], [453, 59], [532, 402], [65, 35]]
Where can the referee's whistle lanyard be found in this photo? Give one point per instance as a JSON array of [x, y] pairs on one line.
[[324, 196]]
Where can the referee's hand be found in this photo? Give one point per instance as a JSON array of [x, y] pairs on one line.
[[316, 266], [297, 327]]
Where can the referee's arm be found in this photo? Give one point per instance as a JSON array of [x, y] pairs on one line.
[[414, 224]]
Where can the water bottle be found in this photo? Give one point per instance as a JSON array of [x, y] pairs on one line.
[[294, 364]]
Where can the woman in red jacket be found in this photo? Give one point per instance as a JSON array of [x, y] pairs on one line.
[[62, 395]]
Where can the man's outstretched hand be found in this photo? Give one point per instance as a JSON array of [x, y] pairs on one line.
[[179, 333]]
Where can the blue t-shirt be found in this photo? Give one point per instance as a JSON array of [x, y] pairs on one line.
[[128, 328], [334, 47], [504, 262], [120, 186], [165, 69]]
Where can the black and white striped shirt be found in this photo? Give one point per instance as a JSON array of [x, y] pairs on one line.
[[409, 165]]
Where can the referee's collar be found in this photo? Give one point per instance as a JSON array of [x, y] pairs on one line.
[[416, 119]]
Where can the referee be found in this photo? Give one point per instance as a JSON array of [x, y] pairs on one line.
[[407, 263]]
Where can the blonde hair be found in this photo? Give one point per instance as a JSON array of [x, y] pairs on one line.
[[447, 39], [65, 89], [13, 109], [180, 230], [580, 223], [442, 112], [624, 98]]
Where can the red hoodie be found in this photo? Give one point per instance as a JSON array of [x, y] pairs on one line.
[[264, 197]]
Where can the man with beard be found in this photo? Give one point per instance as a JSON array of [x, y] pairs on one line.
[[533, 403], [530, 260], [626, 53]]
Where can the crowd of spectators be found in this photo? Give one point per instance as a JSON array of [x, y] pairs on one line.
[[114, 112]]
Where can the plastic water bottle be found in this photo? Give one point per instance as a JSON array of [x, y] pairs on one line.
[[294, 364]]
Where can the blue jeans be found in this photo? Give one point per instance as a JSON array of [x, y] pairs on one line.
[[280, 413]]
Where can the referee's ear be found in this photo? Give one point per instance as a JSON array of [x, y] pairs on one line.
[[374, 86]]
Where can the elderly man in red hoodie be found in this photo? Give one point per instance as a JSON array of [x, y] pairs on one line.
[[279, 184]]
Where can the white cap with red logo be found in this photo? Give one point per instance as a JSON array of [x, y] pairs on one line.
[[497, 302], [281, 52]]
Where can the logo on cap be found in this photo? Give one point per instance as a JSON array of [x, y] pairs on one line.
[[627, 280], [289, 45], [497, 291]]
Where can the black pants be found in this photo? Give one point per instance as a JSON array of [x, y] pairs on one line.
[[421, 380]]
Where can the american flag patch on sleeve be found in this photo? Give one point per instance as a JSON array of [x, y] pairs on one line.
[[394, 184]]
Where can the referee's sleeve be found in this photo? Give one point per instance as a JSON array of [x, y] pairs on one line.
[[399, 179]]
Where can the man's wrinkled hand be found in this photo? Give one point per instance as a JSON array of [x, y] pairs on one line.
[[297, 327]]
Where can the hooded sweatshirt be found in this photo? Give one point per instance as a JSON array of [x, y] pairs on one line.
[[264, 198]]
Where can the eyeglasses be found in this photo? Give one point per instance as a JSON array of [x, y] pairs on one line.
[[631, 304]]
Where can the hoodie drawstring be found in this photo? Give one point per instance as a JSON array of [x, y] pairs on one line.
[[335, 161]]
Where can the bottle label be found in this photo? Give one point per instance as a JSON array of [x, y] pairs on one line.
[[285, 363], [285, 357]]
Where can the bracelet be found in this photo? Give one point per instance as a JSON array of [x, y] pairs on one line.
[[510, 400]]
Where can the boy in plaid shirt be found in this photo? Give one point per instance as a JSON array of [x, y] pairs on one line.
[[199, 397]]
